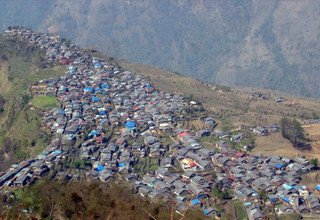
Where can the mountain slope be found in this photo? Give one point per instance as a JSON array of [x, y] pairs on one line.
[[21, 135], [272, 44]]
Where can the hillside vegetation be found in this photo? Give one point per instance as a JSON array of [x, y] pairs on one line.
[[21, 135], [234, 106], [271, 44], [81, 200]]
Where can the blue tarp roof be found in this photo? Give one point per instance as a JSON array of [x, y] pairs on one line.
[[148, 86], [88, 89], [286, 186], [195, 201], [105, 86], [93, 133], [317, 187], [100, 167], [279, 165], [130, 124], [95, 99], [122, 164], [102, 112], [208, 211]]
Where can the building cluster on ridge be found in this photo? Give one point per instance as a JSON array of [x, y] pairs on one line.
[[115, 120]]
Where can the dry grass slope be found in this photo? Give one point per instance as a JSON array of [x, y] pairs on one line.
[[237, 106]]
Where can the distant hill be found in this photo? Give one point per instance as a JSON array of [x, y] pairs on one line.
[[272, 44]]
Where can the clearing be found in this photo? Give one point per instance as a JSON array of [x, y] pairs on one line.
[[240, 210], [44, 102], [275, 144]]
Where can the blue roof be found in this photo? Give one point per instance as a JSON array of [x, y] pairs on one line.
[[97, 65], [93, 133], [88, 89], [286, 199], [102, 112], [105, 86], [279, 165], [206, 211], [100, 167], [317, 187], [148, 86], [57, 152], [122, 164], [195, 201], [61, 111], [286, 186], [95, 99], [130, 124], [202, 196]]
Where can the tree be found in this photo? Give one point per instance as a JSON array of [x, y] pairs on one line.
[[291, 129], [314, 162]]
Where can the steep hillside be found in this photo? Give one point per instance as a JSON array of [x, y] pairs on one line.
[[272, 44], [21, 135], [237, 105]]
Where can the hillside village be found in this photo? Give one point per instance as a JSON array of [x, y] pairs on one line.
[[118, 124]]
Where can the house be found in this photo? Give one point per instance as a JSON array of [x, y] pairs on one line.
[[260, 131], [203, 133], [181, 192], [22, 180], [284, 209], [256, 214], [237, 138], [273, 198], [195, 202], [279, 99], [166, 162], [301, 161], [162, 172], [210, 122]]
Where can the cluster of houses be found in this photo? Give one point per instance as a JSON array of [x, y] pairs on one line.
[[114, 119]]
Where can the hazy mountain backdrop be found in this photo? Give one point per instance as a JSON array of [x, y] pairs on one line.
[[262, 43]]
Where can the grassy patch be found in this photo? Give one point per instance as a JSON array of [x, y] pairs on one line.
[[45, 102], [240, 210], [293, 216], [146, 165]]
